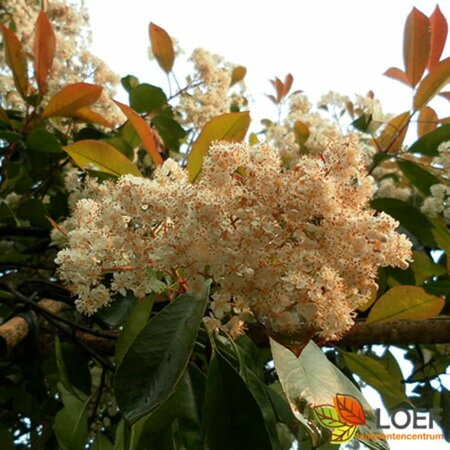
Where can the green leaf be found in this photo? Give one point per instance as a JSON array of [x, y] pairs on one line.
[[424, 268], [101, 443], [230, 127], [328, 416], [408, 216], [445, 405], [170, 131], [122, 145], [34, 211], [71, 427], [158, 357], [232, 417], [103, 156], [129, 82], [428, 144], [117, 312], [43, 141], [421, 178], [146, 98], [376, 373], [405, 303], [133, 326], [10, 136]]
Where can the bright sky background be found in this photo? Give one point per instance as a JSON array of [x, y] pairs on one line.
[[340, 45]]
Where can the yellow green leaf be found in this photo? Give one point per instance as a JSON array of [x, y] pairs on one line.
[[17, 61], [343, 434], [301, 131], [405, 303], [424, 268], [231, 127], [44, 50], [88, 115], [416, 45], [253, 139], [437, 78], [393, 134], [162, 47], [102, 156], [238, 74], [72, 98], [143, 131]]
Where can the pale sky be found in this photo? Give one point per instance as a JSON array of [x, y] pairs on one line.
[[340, 45]]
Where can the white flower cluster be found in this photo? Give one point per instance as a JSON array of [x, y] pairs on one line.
[[210, 94], [438, 202], [293, 246]]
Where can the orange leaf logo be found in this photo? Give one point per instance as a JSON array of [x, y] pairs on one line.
[[349, 409]]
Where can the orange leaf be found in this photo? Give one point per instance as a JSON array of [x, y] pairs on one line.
[[44, 49], [90, 116], [287, 84], [416, 45], [439, 30], [237, 74], [427, 121], [397, 74], [143, 131], [162, 47], [349, 409], [394, 132], [72, 98], [437, 78], [16, 59]]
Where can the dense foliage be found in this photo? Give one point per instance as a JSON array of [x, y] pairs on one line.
[[171, 280]]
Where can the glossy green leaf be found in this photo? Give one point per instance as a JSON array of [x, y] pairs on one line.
[[428, 144], [158, 356], [231, 127], [133, 326], [408, 216], [146, 98], [71, 427], [43, 141], [101, 442], [421, 178], [377, 374], [102, 156], [229, 405], [405, 303]]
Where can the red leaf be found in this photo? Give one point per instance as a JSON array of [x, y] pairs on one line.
[[439, 30], [445, 94], [428, 121], [287, 84], [162, 47], [44, 50], [349, 409], [416, 45], [397, 74]]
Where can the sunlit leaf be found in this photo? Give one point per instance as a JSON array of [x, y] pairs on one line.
[[238, 74], [427, 121], [405, 303], [394, 133], [144, 132], [301, 131], [17, 61], [328, 416], [439, 30], [44, 50], [349, 409], [397, 74], [431, 85], [231, 127], [72, 98], [102, 156], [416, 45], [162, 47]]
